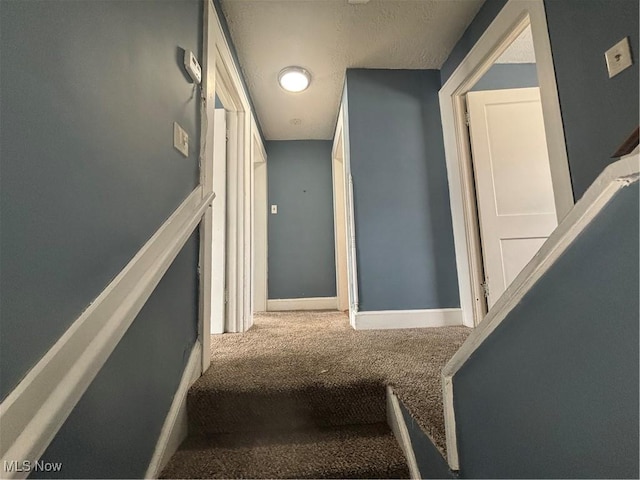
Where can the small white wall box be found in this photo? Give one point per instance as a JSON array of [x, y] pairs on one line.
[[192, 66]]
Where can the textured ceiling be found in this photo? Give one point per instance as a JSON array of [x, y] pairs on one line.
[[520, 51], [326, 37]]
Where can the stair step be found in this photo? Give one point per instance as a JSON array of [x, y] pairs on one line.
[[352, 451], [218, 410]]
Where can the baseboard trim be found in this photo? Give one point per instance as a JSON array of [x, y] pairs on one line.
[[401, 432], [175, 427], [34, 411], [387, 319], [317, 303]]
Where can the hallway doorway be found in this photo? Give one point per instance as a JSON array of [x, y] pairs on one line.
[[504, 203], [509, 153]]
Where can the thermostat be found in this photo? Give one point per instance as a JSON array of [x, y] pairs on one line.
[[192, 66]]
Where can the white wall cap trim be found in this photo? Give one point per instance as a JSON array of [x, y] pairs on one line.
[[34, 411], [175, 427], [396, 422]]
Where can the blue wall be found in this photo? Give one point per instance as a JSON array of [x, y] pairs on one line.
[[484, 17], [301, 239], [598, 112], [553, 392], [508, 75], [90, 91], [404, 237], [113, 430]]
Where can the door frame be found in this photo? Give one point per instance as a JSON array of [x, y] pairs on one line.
[[221, 75], [219, 234], [259, 222], [514, 17], [340, 216], [342, 131]]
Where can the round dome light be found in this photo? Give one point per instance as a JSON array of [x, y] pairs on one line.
[[294, 79]]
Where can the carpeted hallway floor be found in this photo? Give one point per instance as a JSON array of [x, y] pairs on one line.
[[301, 380]]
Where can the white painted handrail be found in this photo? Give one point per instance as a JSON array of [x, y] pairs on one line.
[[34, 411], [615, 177]]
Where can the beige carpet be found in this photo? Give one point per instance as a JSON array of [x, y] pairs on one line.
[[353, 451], [296, 370]]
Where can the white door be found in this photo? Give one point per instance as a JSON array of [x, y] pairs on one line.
[[514, 192], [219, 221]]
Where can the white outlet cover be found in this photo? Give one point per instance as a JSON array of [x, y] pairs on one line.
[[618, 57], [274, 209], [180, 139]]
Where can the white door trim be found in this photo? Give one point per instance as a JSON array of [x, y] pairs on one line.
[[219, 234], [352, 264], [223, 77], [205, 262], [505, 28], [339, 216], [615, 177], [259, 222]]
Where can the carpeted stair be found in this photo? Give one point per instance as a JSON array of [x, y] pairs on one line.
[[348, 451], [302, 395]]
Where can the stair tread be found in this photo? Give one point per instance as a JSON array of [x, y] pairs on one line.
[[351, 451]]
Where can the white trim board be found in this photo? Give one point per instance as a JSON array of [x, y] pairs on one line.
[[259, 222], [398, 426], [34, 411], [288, 304], [226, 78], [389, 319], [175, 427], [508, 24], [615, 177]]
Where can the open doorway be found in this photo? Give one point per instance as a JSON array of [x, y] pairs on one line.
[[239, 277], [481, 168], [509, 154]]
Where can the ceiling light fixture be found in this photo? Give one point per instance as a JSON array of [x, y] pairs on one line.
[[294, 79]]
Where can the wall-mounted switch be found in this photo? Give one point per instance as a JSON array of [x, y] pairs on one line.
[[618, 57], [274, 209], [180, 139]]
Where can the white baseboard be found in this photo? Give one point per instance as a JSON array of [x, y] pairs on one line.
[[399, 428], [175, 427], [34, 411], [386, 319], [318, 303]]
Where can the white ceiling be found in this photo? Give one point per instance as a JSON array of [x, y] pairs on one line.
[[326, 37], [520, 51]]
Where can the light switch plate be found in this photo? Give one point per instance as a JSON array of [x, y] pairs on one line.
[[618, 57], [274, 209], [180, 139]]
